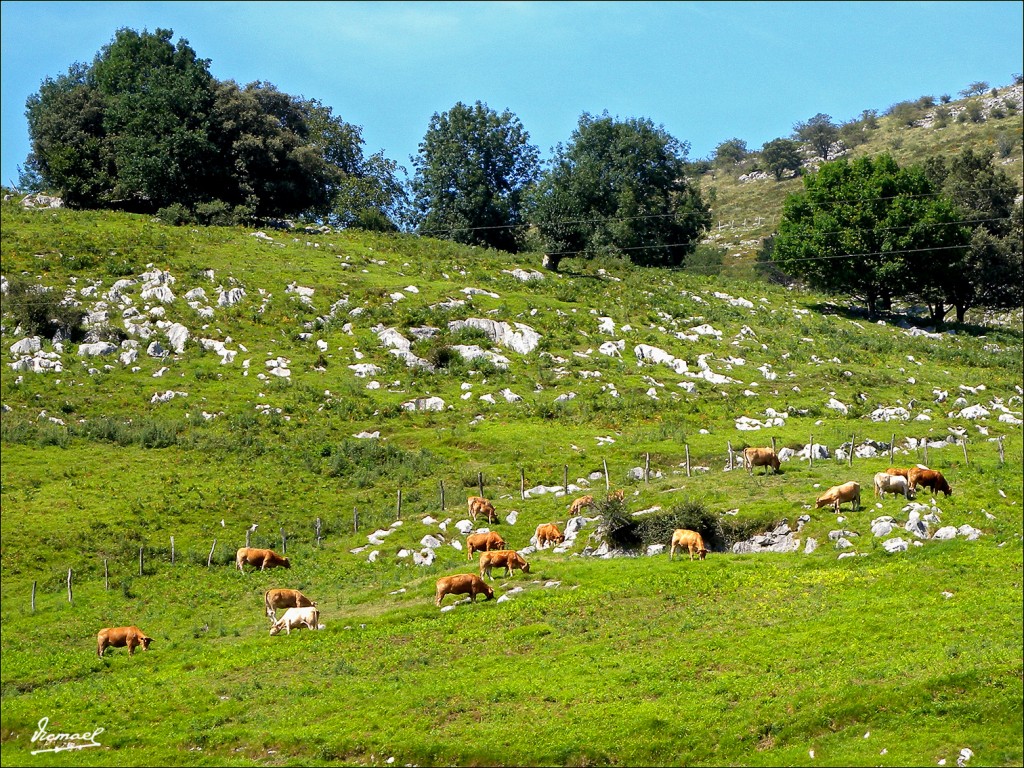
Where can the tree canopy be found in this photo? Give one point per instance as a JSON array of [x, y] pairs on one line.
[[870, 229], [146, 127], [820, 133], [779, 156], [471, 173], [619, 188]]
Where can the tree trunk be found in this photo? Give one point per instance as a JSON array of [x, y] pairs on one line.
[[961, 311], [551, 261]]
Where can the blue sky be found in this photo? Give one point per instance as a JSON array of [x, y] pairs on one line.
[[706, 71]]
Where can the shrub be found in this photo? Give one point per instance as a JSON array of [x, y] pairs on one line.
[[41, 312], [628, 532], [974, 112], [945, 98], [175, 214], [216, 213]]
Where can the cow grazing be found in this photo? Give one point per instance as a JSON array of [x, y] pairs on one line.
[[119, 637], [580, 504], [462, 584], [895, 484], [548, 533], [294, 618], [689, 540], [264, 558], [508, 559], [483, 542], [928, 478], [478, 505], [284, 598], [760, 457], [840, 494]]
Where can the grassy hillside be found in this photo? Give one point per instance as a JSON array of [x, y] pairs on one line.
[[879, 658], [748, 202]]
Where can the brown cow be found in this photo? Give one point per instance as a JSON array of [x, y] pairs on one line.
[[508, 559], [588, 501], [898, 471], [264, 558], [478, 505], [579, 504], [691, 540], [284, 598], [461, 584], [119, 637], [549, 533], [483, 542], [928, 478], [840, 494], [760, 457]]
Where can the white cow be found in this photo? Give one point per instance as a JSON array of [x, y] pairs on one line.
[[297, 617], [886, 483]]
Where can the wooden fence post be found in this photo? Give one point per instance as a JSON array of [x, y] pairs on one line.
[[284, 543], [140, 561], [607, 482], [33, 597], [398, 511], [69, 585], [248, 532], [355, 520], [480, 482], [963, 442], [172, 550], [647, 467], [1002, 456], [729, 462], [810, 452], [853, 442], [892, 447], [210, 558], [522, 483], [317, 526], [565, 478], [106, 575], [773, 443], [442, 495], [926, 451], [688, 459]]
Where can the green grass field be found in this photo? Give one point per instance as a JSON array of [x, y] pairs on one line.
[[876, 659]]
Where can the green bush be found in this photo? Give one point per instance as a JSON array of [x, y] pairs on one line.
[[628, 532], [41, 312]]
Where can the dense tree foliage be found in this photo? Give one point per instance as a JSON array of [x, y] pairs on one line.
[[820, 133], [779, 156], [619, 188], [146, 127], [984, 196], [731, 152], [870, 229], [471, 172]]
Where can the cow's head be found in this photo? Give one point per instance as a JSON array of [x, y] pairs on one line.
[[525, 565], [276, 627], [285, 563], [145, 641]]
